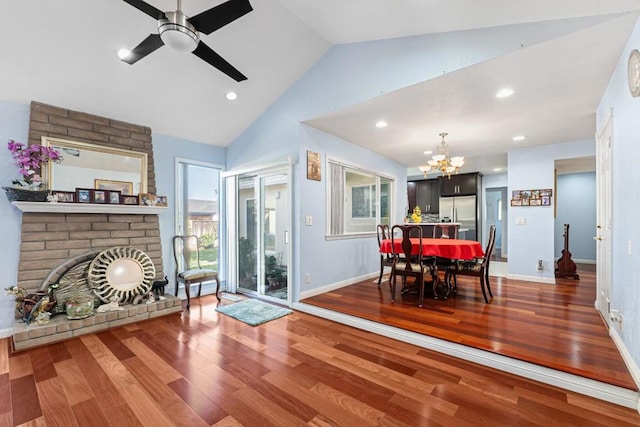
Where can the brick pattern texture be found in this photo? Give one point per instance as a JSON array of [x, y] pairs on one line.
[[56, 122], [48, 239]]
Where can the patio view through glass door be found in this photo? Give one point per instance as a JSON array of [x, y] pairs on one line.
[[263, 242], [197, 209]]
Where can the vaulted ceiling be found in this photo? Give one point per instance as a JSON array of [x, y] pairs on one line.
[[64, 53]]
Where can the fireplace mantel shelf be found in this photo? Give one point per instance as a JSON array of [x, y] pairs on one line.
[[87, 208]]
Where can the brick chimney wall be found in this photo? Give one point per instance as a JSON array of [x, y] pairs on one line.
[[48, 239]]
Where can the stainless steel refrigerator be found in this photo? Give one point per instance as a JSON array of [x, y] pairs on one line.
[[462, 209]]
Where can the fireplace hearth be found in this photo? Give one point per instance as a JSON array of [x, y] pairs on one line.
[[60, 328]]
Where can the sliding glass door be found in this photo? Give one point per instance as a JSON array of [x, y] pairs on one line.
[[263, 217]]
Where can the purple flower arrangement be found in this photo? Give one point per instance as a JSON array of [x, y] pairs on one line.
[[29, 161]]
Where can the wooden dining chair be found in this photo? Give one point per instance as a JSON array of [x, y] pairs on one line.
[[478, 267], [444, 231], [386, 260], [406, 263], [186, 254]]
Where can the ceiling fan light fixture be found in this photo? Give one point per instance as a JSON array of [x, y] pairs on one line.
[[178, 33], [123, 53]]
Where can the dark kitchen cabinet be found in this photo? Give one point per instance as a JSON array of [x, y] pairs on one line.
[[464, 184], [424, 193]]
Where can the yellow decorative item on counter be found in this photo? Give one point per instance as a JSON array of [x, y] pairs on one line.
[[417, 215]]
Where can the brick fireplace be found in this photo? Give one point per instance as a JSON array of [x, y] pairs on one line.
[[48, 239]]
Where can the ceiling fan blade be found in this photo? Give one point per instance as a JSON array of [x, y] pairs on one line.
[[146, 8], [147, 46], [207, 54], [220, 15]]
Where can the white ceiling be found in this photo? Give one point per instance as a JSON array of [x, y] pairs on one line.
[[63, 53]]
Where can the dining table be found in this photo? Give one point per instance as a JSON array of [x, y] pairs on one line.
[[453, 249]]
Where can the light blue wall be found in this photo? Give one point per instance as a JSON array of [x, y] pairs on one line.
[[625, 285], [533, 168], [14, 124], [577, 207], [348, 74]]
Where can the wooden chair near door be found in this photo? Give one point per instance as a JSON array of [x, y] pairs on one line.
[[386, 260], [186, 254], [478, 267]]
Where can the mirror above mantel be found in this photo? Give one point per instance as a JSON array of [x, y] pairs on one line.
[[94, 166]]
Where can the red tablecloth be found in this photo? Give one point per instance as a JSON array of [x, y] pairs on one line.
[[444, 248]]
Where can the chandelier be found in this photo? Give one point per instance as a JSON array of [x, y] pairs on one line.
[[442, 162]]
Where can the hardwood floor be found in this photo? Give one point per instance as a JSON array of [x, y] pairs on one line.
[[204, 368], [555, 326]]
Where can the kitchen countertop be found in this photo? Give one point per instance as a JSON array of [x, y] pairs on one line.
[[436, 223]]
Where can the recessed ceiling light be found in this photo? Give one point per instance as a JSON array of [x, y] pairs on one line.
[[504, 93], [231, 95], [428, 152], [497, 169], [123, 53], [381, 124], [519, 138]]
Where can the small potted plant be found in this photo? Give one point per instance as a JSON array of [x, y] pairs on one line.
[[29, 161]]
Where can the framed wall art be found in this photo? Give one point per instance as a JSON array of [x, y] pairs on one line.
[[314, 171], [537, 197]]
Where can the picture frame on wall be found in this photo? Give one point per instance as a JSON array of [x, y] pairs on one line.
[[314, 170], [84, 195]]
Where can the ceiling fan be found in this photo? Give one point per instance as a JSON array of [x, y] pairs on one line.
[[182, 33]]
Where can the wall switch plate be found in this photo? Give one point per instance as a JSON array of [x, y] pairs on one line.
[[307, 278], [629, 247], [308, 220], [521, 220]]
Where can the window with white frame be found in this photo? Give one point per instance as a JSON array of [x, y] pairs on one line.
[[358, 199]]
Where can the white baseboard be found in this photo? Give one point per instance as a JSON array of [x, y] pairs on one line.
[[6, 333], [607, 392], [634, 370], [585, 261], [538, 279], [332, 287]]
